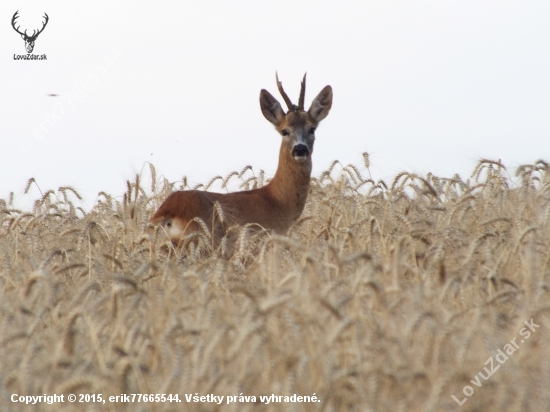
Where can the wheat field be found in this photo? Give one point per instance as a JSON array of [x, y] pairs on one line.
[[384, 296]]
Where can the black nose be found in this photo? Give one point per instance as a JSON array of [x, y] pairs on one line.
[[300, 150]]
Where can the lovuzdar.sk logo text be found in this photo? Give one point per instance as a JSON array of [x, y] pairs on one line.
[[29, 39]]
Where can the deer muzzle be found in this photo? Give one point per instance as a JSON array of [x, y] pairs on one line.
[[300, 152]]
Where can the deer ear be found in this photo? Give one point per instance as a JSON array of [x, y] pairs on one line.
[[321, 104], [271, 108]]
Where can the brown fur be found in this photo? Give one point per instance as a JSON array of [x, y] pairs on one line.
[[275, 206]]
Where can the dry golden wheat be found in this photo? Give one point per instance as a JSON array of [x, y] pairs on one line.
[[381, 298]]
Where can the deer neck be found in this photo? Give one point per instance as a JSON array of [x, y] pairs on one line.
[[290, 185]]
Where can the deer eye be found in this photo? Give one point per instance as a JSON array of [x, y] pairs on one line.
[[312, 130], [284, 132]]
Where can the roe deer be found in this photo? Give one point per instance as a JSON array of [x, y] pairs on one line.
[[275, 206]]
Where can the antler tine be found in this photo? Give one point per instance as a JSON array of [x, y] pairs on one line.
[[285, 96], [15, 17], [302, 94], [44, 24]]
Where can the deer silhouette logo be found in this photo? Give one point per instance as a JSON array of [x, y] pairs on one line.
[[29, 40]]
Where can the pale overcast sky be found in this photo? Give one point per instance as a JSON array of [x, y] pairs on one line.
[[420, 85]]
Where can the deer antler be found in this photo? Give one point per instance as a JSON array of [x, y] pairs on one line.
[[285, 96], [302, 94], [15, 16], [43, 26], [34, 33]]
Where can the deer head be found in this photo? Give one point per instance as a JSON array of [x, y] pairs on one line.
[[29, 40], [297, 127]]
